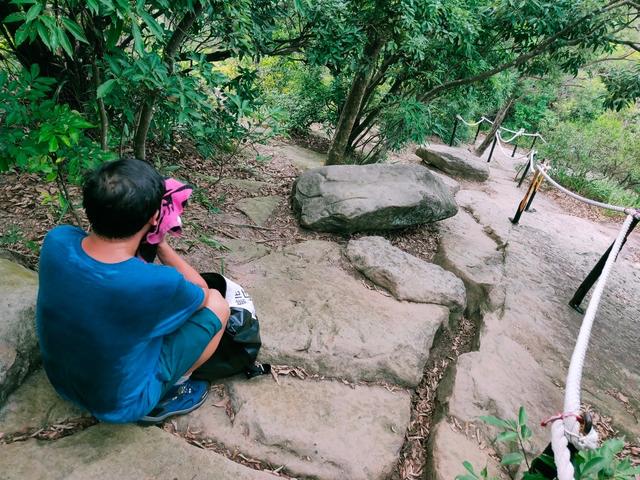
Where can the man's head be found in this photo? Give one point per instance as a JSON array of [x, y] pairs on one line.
[[121, 197]]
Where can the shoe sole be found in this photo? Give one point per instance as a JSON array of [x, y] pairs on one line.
[[153, 420]]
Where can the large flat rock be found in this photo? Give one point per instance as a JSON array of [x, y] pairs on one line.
[[405, 276], [467, 250], [35, 404], [485, 383], [528, 331], [451, 447], [316, 429], [456, 162], [18, 343], [352, 198], [117, 451], [259, 209], [317, 316], [301, 157]]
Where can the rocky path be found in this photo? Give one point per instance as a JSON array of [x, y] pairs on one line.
[[521, 278], [351, 326]]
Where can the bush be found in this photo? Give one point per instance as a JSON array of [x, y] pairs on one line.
[[598, 158], [305, 94], [38, 135]]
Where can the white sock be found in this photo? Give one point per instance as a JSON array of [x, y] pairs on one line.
[[182, 379]]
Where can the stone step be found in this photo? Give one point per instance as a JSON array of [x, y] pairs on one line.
[[317, 316], [34, 405], [117, 451], [320, 429]]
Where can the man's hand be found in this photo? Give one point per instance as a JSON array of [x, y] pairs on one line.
[[168, 256]]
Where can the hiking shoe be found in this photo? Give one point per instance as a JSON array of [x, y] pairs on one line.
[[180, 399]]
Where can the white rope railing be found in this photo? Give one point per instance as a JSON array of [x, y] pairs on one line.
[[500, 141], [474, 124], [519, 133], [567, 428], [580, 198]]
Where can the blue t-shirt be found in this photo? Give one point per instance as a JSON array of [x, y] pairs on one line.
[[100, 325]]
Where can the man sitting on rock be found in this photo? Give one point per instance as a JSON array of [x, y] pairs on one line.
[[119, 336]]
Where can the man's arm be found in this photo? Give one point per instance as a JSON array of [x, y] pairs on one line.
[[168, 256]]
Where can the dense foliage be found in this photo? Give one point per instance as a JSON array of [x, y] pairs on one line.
[[376, 74]]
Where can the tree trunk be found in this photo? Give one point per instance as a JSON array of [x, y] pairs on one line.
[[353, 101], [480, 149], [170, 51], [104, 120]]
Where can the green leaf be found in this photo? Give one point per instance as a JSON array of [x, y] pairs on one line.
[[137, 37], [489, 419], [21, 34], [507, 437], [93, 6], [35, 71], [53, 144], [14, 17], [154, 26], [74, 29], [64, 42], [525, 432], [513, 458], [44, 34], [522, 416], [105, 88], [593, 466], [33, 12], [468, 467]]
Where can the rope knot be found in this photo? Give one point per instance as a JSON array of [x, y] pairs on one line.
[[562, 416]]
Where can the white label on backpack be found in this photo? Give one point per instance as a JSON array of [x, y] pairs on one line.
[[237, 297]]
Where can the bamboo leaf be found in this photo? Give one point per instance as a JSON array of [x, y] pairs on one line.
[[154, 26], [137, 37], [64, 41], [33, 12], [14, 17], [74, 29], [105, 88], [44, 34]]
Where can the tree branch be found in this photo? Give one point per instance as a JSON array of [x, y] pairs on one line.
[[543, 46], [170, 51]]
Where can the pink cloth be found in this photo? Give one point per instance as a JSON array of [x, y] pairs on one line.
[[173, 203]]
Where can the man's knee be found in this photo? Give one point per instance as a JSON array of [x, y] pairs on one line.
[[218, 305]]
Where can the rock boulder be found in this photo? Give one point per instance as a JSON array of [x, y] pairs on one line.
[[18, 343], [352, 198], [454, 161], [405, 276]]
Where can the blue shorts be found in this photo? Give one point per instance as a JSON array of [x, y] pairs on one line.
[[182, 348]]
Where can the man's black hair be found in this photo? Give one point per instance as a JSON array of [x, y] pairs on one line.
[[121, 196]]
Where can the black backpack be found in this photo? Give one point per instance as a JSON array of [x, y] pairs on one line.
[[240, 344]]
